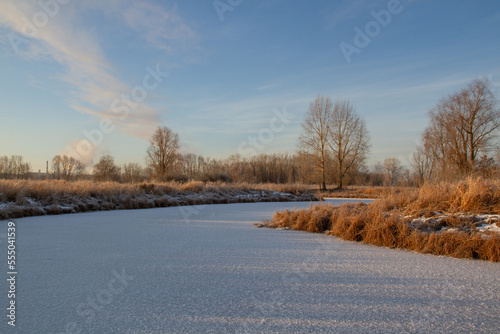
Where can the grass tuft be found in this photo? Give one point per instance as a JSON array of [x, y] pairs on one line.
[[384, 222]]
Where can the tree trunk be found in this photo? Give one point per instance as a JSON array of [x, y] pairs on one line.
[[341, 176], [323, 179]]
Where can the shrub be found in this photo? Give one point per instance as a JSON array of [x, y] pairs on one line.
[[195, 186]]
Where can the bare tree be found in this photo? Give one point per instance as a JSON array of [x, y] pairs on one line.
[[67, 168], [435, 147], [106, 170], [4, 165], [393, 171], [190, 165], [314, 140], [376, 176], [487, 167], [348, 139], [163, 152], [236, 167], [422, 163], [465, 125], [14, 168], [132, 172]]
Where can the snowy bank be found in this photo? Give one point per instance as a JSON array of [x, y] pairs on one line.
[[486, 224], [24, 206]]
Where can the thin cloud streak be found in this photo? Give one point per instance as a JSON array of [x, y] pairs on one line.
[[157, 26], [84, 64], [346, 11]]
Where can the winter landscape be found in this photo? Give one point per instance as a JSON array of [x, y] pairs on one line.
[[231, 166], [210, 270]]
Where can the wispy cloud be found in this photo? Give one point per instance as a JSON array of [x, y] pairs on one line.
[[346, 10], [158, 26], [66, 40]]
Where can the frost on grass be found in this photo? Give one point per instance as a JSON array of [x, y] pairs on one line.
[[33, 198], [459, 220]]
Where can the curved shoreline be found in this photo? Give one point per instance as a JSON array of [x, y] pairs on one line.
[[30, 207]]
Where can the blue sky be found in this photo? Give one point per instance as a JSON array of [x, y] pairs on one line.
[[66, 66]]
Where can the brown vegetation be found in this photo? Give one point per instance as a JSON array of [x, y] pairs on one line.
[[386, 222], [364, 192], [21, 198], [473, 195]]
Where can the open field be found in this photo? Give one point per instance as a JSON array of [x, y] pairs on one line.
[[459, 220], [160, 271]]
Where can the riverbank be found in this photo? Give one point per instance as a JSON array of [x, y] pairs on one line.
[[460, 220], [24, 198]]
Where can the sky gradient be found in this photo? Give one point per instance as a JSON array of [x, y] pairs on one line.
[[97, 77]]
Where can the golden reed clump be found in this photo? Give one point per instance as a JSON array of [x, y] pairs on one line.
[[382, 222]]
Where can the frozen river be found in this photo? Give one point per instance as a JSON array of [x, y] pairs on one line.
[[209, 270]]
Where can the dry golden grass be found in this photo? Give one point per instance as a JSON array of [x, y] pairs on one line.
[[364, 192], [196, 186], [472, 195], [381, 223], [296, 189], [31, 197], [11, 189]]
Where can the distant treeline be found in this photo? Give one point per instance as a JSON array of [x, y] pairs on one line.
[[460, 141], [14, 167], [264, 168]]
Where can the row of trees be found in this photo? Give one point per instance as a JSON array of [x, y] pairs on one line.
[[14, 167], [334, 143], [460, 140], [264, 168]]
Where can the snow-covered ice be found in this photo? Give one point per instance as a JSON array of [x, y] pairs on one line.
[[207, 269]]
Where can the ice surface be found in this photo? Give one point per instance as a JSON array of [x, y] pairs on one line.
[[207, 269]]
